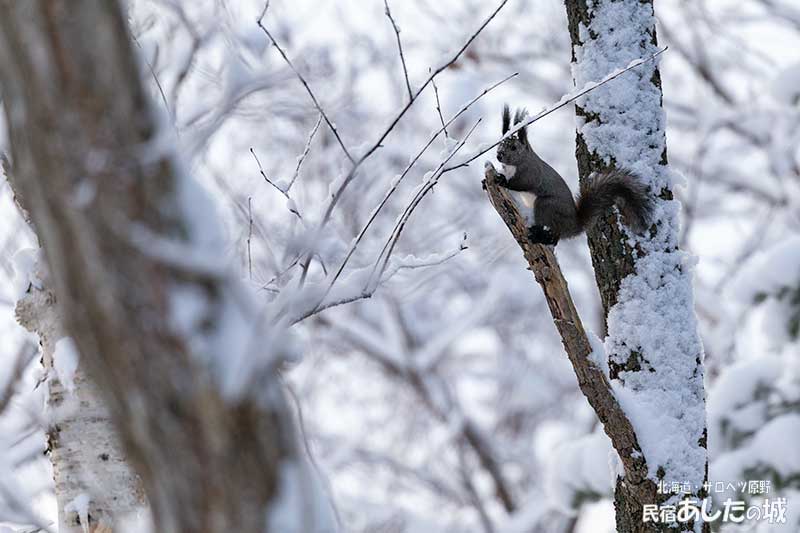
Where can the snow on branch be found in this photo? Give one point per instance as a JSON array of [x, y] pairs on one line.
[[566, 99], [359, 284]]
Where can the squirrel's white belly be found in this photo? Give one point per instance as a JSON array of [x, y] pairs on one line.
[[528, 198]]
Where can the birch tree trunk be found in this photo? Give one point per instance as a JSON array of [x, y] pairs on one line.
[[86, 455], [157, 321], [655, 354]]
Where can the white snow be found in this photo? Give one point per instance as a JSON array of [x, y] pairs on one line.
[[598, 354], [80, 506], [773, 449], [140, 521], [654, 318], [65, 362], [767, 272], [786, 85], [24, 264], [581, 466], [737, 386], [776, 445]]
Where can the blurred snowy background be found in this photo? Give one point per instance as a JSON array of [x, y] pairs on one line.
[[450, 381]]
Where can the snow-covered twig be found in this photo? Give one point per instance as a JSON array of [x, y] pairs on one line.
[[359, 284]]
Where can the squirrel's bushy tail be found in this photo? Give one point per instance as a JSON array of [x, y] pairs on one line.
[[619, 187]]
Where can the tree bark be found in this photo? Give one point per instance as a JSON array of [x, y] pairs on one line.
[[622, 124], [85, 453], [593, 382], [126, 253]]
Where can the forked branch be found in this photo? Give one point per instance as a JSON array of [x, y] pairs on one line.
[[594, 384]]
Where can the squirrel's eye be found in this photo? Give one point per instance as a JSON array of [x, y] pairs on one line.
[[513, 147]]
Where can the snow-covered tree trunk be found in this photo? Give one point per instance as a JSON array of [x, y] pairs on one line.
[[166, 334], [91, 475], [655, 354]]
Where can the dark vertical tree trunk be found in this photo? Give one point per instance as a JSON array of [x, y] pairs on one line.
[[622, 124], [111, 211]]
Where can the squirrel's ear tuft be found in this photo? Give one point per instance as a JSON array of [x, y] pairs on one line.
[[506, 118], [519, 116]]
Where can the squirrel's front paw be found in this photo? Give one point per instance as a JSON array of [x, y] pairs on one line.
[[542, 235], [493, 176]]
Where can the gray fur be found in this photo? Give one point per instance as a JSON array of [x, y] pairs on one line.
[[614, 187], [555, 207]]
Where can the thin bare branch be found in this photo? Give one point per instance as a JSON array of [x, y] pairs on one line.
[[264, 11], [250, 236], [439, 106], [378, 143], [444, 411], [564, 101], [474, 497], [399, 48], [25, 355], [290, 205], [280, 274], [305, 84], [388, 248], [155, 77], [303, 156], [399, 179], [188, 59], [430, 79], [370, 289]]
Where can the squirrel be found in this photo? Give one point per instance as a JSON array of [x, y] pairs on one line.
[[556, 214]]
